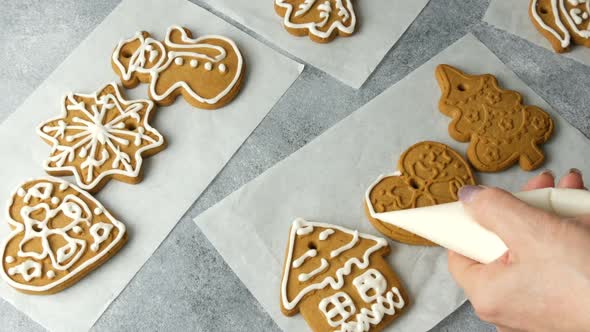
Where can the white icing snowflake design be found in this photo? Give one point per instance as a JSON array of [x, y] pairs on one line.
[[99, 136]]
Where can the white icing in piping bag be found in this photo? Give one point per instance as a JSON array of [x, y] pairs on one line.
[[449, 225]]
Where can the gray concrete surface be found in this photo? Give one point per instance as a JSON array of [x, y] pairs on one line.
[[186, 285]]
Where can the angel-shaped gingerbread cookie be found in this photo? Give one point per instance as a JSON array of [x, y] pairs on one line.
[[207, 71], [562, 22], [322, 20], [429, 173], [501, 130], [101, 136], [59, 234]]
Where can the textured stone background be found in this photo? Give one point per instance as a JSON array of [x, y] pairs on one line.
[[186, 284]]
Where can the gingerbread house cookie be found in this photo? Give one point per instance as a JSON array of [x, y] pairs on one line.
[[59, 234], [321, 20], [500, 129], [338, 279], [207, 71], [562, 22], [429, 173]]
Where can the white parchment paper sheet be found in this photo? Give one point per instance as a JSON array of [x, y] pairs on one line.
[[326, 180], [200, 143], [513, 16], [352, 59]]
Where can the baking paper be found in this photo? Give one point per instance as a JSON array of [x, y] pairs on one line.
[[513, 16], [326, 181], [351, 60], [200, 142]]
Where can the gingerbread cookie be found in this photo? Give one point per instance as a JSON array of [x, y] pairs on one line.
[[322, 20], [100, 136], [339, 280], [430, 173], [59, 234], [562, 22], [500, 129], [207, 71]]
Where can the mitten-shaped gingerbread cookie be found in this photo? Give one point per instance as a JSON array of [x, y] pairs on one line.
[[101, 136], [322, 20], [500, 129], [59, 234], [430, 173], [339, 280], [562, 22], [207, 71]]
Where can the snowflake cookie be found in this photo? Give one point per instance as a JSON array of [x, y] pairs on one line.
[[59, 233], [100, 136], [322, 20], [501, 130], [207, 71]]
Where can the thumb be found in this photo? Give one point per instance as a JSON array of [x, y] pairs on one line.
[[505, 215]]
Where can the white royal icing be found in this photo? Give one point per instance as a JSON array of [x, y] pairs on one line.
[[302, 227], [308, 254], [340, 310], [97, 139], [325, 234], [74, 207], [155, 70], [303, 277], [100, 232], [574, 18], [326, 10], [194, 63]]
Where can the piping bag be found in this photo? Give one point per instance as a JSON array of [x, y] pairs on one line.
[[449, 225]]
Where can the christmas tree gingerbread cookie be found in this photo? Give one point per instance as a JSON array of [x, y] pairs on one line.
[[430, 173], [321, 20], [562, 22], [501, 130], [207, 71], [59, 234], [100, 136], [338, 279]]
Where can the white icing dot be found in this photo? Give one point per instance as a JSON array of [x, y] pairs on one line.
[[94, 247], [194, 63], [21, 192], [208, 66], [50, 274], [178, 61], [98, 211], [69, 138], [54, 200], [222, 68], [77, 229], [63, 186], [9, 259]]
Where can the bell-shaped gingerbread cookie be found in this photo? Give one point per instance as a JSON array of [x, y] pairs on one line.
[[207, 71], [501, 130], [59, 234], [321, 20], [338, 279], [562, 22], [429, 173]]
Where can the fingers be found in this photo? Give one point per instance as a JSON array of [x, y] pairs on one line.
[[572, 180], [465, 271], [501, 212], [544, 180]]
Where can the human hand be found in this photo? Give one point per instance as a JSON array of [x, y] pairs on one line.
[[543, 282]]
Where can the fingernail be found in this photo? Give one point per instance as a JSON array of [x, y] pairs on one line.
[[467, 193], [575, 171], [548, 172]]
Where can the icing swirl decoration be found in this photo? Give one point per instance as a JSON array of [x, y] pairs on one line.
[[56, 238], [321, 20], [562, 22], [100, 136], [207, 71]]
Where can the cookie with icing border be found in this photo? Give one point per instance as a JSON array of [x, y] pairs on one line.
[[321, 20], [501, 131], [59, 233], [429, 173], [339, 280], [562, 22], [101, 136], [207, 71]]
